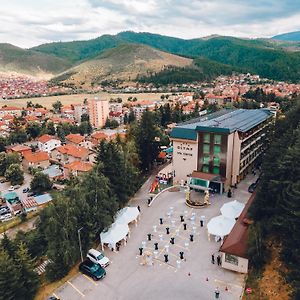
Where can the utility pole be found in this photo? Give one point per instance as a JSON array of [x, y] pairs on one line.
[[79, 239]]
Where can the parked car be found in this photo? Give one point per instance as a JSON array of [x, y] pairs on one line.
[[252, 187], [31, 194], [98, 258], [17, 186], [5, 216], [26, 190], [3, 180], [12, 188], [91, 269], [53, 298], [4, 209]]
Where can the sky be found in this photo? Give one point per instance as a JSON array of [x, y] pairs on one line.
[[28, 23]]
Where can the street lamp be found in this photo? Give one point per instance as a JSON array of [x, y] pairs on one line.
[[80, 242]]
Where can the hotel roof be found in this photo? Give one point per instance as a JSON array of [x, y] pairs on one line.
[[223, 121]]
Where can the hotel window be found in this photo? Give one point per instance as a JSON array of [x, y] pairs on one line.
[[217, 139], [206, 160], [217, 149], [216, 161], [232, 259], [206, 138], [205, 169], [216, 170], [206, 148]]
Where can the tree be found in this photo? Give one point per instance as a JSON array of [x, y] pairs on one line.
[[85, 117], [147, 145], [14, 174], [9, 277], [57, 106], [40, 183], [85, 127], [18, 136], [131, 116], [6, 160], [33, 130], [3, 143], [28, 281], [50, 128]]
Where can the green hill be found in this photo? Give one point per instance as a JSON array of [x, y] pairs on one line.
[[15, 59], [290, 36], [202, 69], [260, 56]]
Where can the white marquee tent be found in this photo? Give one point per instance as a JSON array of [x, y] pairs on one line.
[[232, 209], [220, 226], [116, 233], [127, 215]]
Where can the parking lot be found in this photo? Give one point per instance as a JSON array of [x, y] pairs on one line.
[[195, 278]]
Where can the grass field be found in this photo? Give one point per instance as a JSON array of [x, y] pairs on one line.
[[74, 99]]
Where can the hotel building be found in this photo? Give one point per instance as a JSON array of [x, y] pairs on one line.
[[98, 110], [216, 151]]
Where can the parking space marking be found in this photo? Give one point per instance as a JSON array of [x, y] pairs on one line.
[[56, 296], [91, 280], [75, 288]]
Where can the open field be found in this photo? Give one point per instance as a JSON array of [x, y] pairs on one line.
[[79, 98]]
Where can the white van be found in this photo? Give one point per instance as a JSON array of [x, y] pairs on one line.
[[98, 258]]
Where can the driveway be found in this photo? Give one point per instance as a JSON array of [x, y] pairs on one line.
[[196, 278]]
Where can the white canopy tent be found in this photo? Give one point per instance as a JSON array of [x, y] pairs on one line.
[[116, 233], [127, 215], [232, 209], [220, 226]]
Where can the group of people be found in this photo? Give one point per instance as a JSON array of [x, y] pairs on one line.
[[219, 261]]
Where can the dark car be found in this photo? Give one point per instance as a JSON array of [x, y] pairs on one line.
[[252, 187], [53, 298], [91, 269], [26, 190]]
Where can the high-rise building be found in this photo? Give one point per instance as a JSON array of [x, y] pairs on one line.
[[216, 151], [98, 110]]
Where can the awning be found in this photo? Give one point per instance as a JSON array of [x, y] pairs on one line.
[[127, 215], [114, 234], [220, 226]]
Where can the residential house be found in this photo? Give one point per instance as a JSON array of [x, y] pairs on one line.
[[10, 110], [48, 142], [38, 159], [77, 168], [20, 149], [69, 153]]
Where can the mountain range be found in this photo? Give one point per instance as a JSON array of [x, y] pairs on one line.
[[130, 56]]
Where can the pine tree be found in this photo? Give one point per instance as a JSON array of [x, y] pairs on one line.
[[28, 281], [9, 277]]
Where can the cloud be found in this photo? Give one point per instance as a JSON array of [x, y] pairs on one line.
[[39, 21]]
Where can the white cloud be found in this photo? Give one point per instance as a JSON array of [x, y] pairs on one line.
[[31, 22]]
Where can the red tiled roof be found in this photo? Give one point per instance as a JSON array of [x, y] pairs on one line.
[[75, 138], [79, 166], [36, 156], [75, 151], [9, 108], [99, 135], [46, 138], [204, 176], [236, 243], [31, 118], [7, 117], [20, 148]]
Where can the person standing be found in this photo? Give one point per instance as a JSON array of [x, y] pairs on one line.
[[219, 260], [213, 259]]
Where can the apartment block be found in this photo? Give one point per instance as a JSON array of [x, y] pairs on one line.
[[98, 110]]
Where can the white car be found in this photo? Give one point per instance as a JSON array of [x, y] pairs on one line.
[[97, 257], [12, 188]]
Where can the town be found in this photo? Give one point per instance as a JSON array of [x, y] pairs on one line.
[[205, 147]]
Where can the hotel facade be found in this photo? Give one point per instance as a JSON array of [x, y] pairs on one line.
[[218, 150]]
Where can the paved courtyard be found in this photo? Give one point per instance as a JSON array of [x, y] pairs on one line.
[[195, 278]]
